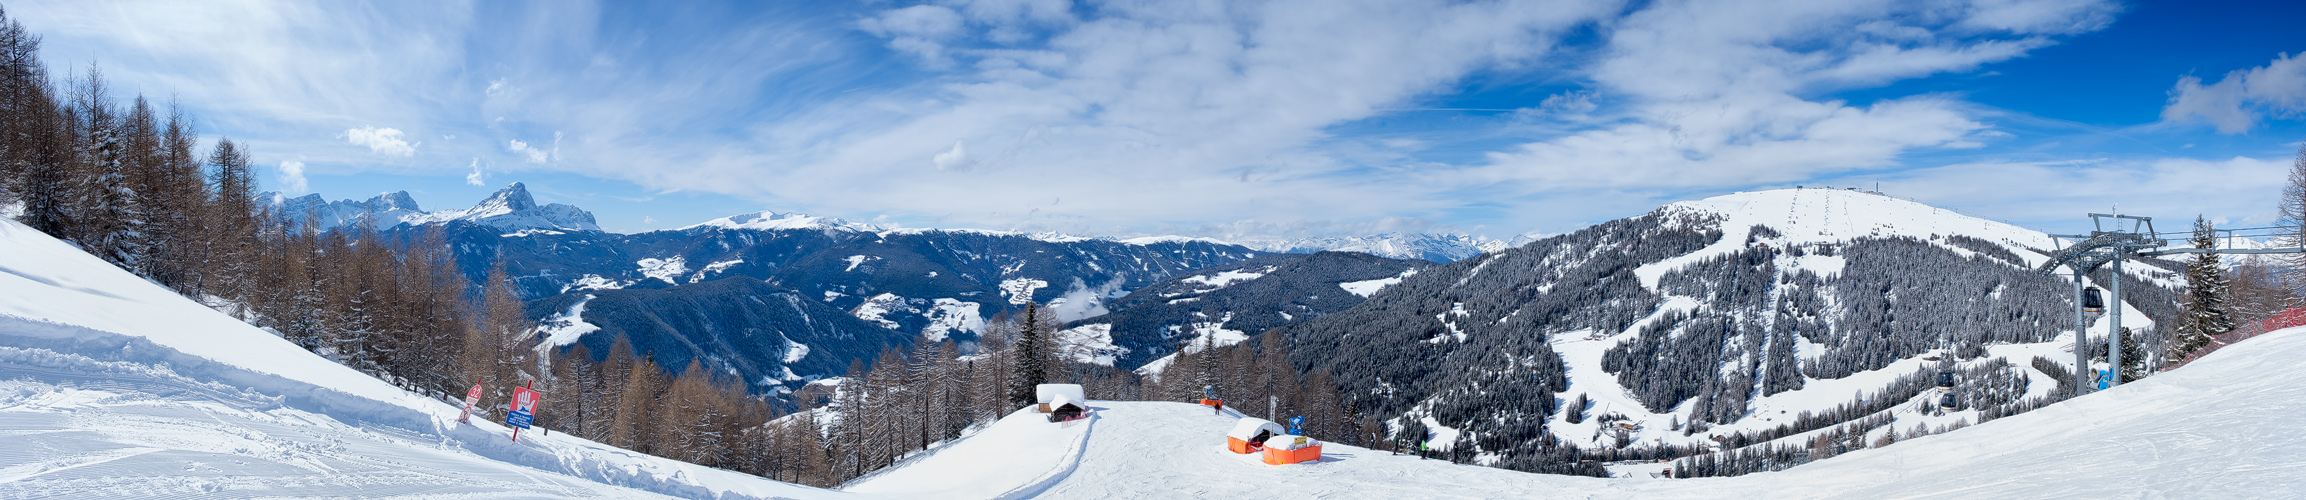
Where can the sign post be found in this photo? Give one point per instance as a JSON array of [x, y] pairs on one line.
[[471, 398], [523, 410]]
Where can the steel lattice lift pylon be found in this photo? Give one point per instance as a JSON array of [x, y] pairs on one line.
[[2101, 247]]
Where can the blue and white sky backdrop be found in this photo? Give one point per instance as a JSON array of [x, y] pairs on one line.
[[1230, 119]]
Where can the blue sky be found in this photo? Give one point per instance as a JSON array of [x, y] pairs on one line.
[[1230, 119]]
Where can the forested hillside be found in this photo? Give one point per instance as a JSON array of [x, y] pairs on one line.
[[1698, 313]]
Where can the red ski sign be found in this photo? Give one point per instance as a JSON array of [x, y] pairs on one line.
[[471, 398]]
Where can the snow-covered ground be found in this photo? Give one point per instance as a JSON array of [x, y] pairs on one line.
[[112, 385]]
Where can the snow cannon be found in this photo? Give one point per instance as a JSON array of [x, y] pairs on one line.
[[2093, 303], [1285, 450], [1250, 435]]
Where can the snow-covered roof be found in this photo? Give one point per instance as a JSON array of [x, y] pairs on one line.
[[1248, 427], [1061, 400], [1291, 442], [1048, 393]]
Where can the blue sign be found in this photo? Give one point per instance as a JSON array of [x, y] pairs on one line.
[[523, 408], [2102, 379], [1296, 425]]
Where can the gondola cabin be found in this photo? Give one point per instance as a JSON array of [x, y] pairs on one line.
[[1250, 434], [1047, 393], [1947, 402], [2092, 302], [1945, 380]]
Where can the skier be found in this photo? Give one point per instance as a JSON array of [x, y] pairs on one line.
[[1216, 407]]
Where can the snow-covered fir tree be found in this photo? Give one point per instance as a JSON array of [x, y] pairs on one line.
[[2203, 309]]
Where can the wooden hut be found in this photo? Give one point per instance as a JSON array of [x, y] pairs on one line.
[[1047, 393], [1063, 408]]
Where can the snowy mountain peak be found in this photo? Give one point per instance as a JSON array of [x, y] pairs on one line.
[[513, 210], [512, 198], [384, 210], [1803, 216], [1428, 246], [769, 221]]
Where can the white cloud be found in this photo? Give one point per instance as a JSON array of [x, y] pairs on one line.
[[291, 177], [952, 159], [1713, 94], [497, 87], [384, 141], [476, 178], [923, 21], [532, 154], [2235, 103], [918, 30]]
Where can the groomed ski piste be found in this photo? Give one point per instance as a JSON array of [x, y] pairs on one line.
[[112, 386]]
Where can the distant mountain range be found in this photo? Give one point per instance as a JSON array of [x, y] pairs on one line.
[[779, 298], [510, 210]]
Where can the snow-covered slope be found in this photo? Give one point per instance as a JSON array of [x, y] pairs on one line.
[[115, 385], [2226, 426]]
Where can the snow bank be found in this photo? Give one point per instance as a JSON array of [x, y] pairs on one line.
[[1013, 458]]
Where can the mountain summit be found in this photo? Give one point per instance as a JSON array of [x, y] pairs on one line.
[[510, 210], [513, 210]]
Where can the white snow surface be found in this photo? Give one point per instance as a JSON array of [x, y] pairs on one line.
[[1016, 457], [876, 309], [592, 282], [115, 386], [1226, 278], [1020, 290], [669, 269], [568, 326], [948, 316], [1091, 343], [1367, 288], [2224, 427], [771, 221]]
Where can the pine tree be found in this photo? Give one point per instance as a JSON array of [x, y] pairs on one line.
[[1205, 375], [2203, 309], [1032, 359], [231, 222]]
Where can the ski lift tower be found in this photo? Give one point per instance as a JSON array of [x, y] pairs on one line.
[[2109, 246], [2099, 248]]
